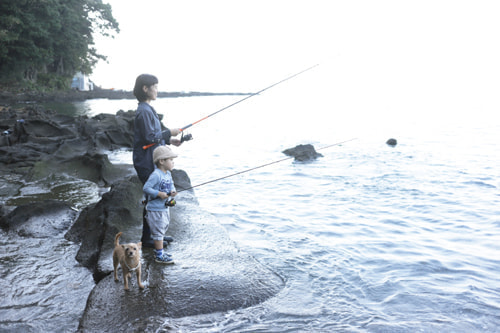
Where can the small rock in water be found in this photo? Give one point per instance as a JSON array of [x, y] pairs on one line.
[[392, 142], [302, 152]]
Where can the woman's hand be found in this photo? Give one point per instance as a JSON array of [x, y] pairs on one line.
[[175, 131], [175, 142]]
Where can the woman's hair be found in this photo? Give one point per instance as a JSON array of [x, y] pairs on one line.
[[143, 80]]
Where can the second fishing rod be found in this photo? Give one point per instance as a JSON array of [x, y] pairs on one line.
[[171, 202], [188, 137]]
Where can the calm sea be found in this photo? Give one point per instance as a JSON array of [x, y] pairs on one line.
[[368, 237]]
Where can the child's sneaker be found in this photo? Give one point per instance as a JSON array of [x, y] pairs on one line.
[[164, 259]]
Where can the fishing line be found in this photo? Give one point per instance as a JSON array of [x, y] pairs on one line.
[[260, 166], [189, 136], [249, 96]]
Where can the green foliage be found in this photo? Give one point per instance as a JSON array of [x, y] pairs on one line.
[[53, 81], [41, 40]]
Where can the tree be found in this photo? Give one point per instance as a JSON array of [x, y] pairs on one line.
[[51, 37]]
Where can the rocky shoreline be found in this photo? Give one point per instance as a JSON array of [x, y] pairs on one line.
[[211, 274], [70, 95]]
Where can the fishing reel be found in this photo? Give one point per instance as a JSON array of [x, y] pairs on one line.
[[170, 202], [186, 137]]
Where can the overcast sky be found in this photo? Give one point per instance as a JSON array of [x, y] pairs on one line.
[[437, 51]]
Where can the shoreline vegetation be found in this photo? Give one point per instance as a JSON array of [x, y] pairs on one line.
[[19, 97]]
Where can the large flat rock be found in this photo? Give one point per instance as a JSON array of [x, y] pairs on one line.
[[210, 274]]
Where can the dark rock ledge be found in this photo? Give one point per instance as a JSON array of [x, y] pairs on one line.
[[210, 275]]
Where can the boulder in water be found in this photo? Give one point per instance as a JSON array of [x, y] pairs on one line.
[[392, 142], [302, 152]]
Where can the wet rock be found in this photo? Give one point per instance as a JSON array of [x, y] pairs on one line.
[[302, 152], [90, 166], [210, 273], [109, 131], [120, 209], [39, 219], [41, 142], [392, 142], [181, 180]]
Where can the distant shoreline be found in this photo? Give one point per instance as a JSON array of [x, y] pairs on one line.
[[8, 98]]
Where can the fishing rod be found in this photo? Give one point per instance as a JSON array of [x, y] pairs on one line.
[[260, 166], [189, 137], [249, 96]]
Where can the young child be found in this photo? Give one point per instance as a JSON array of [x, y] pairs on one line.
[[159, 187]]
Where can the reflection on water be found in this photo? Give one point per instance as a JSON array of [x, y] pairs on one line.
[[374, 239], [80, 193], [42, 286]]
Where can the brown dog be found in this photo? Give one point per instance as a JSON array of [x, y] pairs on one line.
[[129, 258]]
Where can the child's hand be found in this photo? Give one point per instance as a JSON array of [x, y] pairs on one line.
[[162, 195], [173, 194]]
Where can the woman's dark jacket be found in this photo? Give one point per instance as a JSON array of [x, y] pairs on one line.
[[147, 130]]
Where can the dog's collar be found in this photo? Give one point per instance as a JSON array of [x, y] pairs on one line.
[[132, 269]]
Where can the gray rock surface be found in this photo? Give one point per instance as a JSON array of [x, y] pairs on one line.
[[210, 274], [40, 142]]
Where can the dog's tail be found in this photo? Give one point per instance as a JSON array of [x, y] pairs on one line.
[[117, 238]]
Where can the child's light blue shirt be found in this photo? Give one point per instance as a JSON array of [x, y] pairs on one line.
[[158, 181]]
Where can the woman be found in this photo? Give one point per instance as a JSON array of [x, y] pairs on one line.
[[148, 135]]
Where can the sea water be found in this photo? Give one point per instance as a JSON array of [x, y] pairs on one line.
[[367, 237]]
